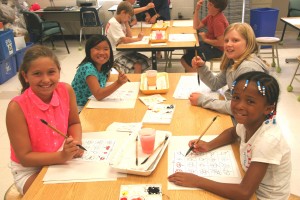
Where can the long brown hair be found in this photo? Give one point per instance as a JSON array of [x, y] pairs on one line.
[[32, 54]]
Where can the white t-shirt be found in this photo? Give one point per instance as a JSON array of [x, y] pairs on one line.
[[114, 32], [268, 145]]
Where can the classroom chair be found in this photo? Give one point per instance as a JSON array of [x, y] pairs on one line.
[[169, 57], [273, 42], [89, 18], [40, 30], [12, 193], [211, 61], [290, 87]]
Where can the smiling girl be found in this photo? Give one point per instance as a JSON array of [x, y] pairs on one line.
[[239, 57], [93, 71], [33, 144], [264, 154]]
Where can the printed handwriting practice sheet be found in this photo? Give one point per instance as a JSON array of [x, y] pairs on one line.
[[218, 165], [97, 149], [100, 146]]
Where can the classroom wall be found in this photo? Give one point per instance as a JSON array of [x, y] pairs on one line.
[[179, 7]]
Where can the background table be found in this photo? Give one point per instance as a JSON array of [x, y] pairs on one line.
[[187, 120], [169, 46], [295, 23]]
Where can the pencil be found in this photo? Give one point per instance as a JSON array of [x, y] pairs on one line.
[[141, 26], [196, 55], [192, 147], [120, 73], [136, 151], [163, 142], [59, 132]]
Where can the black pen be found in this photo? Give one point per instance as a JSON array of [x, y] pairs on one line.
[[192, 147]]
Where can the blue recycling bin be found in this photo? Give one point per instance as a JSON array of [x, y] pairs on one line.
[[264, 21]]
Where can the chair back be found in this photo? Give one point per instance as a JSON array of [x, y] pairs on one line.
[[89, 17], [33, 22], [34, 25], [294, 8]]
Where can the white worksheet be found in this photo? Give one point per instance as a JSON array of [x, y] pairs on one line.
[[218, 165], [86, 169], [182, 23], [189, 84], [182, 38], [124, 97], [159, 114]]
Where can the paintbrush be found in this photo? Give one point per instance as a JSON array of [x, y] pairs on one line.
[[154, 8], [196, 55], [136, 152], [120, 72], [59, 132], [162, 143], [192, 147]]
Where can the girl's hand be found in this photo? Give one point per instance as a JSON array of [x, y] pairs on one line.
[[197, 62], [147, 18], [122, 78], [194, 98], [150, 5], [203, 36], [70, 149], [200, 146], [80, 151], [199, 4], [141, 35], [184, 179], [153, 19]]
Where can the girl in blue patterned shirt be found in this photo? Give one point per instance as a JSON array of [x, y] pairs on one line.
[[93, 71]]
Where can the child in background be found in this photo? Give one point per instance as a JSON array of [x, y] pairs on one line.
[[161, 11], [133, 20], [93, 72], [118, 31], [240, 50], [211, 41], [33, 144], [265, 156]]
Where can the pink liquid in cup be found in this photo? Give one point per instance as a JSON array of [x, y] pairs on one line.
[[147, 137], [159, 35]]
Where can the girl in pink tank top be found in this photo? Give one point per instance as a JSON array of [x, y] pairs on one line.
[[34, 144]]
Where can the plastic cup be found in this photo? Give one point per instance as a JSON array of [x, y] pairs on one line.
[[158, 35], [160, 23], [151, 77], [147, 138]]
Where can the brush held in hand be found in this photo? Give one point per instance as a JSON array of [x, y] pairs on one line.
[[192, 147], [59, 132]]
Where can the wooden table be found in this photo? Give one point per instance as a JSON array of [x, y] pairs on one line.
[[187, 120], [170, 46]]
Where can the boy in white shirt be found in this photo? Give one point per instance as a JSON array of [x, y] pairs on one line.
[[118, 31]]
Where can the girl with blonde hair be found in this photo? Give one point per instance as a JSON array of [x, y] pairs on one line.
[[239, 57]]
